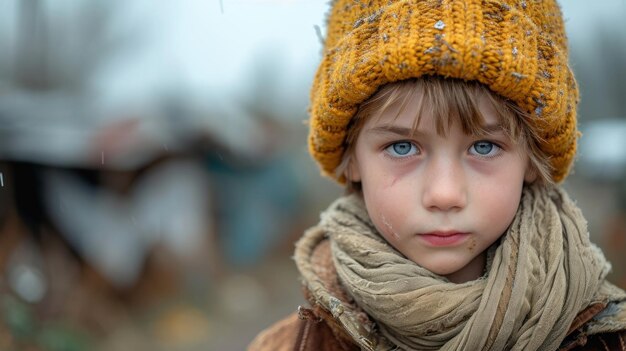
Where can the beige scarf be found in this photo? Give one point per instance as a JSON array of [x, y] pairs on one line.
[[539, 277]]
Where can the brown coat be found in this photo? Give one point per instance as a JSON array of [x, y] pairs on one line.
[[308, 330]]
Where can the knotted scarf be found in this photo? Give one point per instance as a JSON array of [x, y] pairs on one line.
[[541, 274]]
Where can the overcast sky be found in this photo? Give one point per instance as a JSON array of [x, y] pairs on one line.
[[215, 47]]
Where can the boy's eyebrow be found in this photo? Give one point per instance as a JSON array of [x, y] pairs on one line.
[[390, 128], [492, 128]]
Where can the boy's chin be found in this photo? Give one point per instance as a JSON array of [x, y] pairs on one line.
[[444, 271], [441, 263]]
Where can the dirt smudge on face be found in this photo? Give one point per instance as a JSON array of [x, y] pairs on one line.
[[472, 245], [388, 225]]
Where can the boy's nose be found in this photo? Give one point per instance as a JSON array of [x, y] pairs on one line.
[[445, 189]]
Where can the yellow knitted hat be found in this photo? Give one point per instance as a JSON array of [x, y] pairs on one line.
[[516, 48]]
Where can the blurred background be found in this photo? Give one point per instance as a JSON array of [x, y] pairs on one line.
[[154, 172]]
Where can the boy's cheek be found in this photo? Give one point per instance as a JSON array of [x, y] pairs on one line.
[[503, 205], [386, 226], [386, 209]]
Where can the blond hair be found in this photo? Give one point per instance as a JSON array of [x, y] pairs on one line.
[[450, 100]]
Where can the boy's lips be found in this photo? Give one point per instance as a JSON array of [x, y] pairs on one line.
[[444, 238]]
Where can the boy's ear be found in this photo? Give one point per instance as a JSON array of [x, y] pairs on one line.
[[352, 171], [531, 174]]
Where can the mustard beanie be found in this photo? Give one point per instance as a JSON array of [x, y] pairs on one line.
[[518, 49]]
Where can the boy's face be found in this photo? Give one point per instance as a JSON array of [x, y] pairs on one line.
[[439, 200]]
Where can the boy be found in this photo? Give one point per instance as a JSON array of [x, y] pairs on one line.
[[451, 122]]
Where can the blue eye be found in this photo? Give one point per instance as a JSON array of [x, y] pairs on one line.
[[484, 148], [402, 149]]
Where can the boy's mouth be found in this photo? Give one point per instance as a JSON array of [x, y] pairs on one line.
[[444, 238]]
